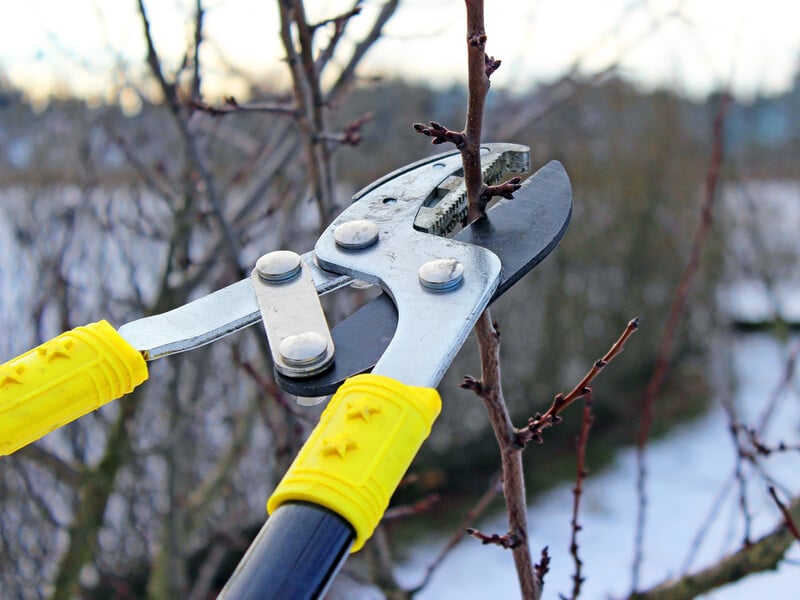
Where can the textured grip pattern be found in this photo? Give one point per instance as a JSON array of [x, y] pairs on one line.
[[361, 448], [62, 380]]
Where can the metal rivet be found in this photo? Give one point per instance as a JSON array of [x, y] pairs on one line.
[[281, 265], [441, 275], [303, 349], [355, 235], [313, 401]]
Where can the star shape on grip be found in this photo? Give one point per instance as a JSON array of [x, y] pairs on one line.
[[362, 408], [338, 444], [9, 374], [56, 349]]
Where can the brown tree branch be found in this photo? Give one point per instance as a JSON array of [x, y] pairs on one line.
[[409, 510], [94, 497], [169, 89], [742, 454], [351, 134], [311, 106], [441, 134], [583, 441], [504, 190], [788, 519], [675, 316], [762, 555], [477, 510], [347, 74], [542, 567], [478, 78], [491, 393], [508, 540], [490, 388], [538, 423], [339, 24], [480, 67], [231, 105], [198, 40]]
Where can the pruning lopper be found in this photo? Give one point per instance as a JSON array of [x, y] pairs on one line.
[[334, 494]]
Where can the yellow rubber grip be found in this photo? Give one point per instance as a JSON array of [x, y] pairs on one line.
[[62, 380], [361, 448]]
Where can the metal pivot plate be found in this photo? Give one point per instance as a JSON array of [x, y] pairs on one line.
[[521, 232], [439, 286], [297, 330], [234, 307]]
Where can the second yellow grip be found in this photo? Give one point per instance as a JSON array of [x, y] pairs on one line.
[[62, 380], [361, 448]]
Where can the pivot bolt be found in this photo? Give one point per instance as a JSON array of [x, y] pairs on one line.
[[304, 350], [278, 266], [356, 235], [441, 275]]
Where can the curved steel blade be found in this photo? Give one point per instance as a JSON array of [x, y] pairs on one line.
[[521, 232]]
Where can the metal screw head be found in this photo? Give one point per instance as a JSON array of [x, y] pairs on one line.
[[355, 235], [303, 350], [442, 274], [281, 265]]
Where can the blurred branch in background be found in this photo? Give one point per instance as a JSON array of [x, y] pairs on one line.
[[135, 499], [121, 213], [675, 315]]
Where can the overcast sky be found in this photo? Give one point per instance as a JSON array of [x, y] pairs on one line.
[[693, 46]]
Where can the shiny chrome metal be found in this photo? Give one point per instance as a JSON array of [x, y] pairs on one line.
[[431, 326], [212, 317], [234, 307], [280, 265], [441, 275], [303, 349], [356, 235], [299, 337]]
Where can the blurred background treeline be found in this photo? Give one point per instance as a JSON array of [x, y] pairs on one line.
[[104, 213]]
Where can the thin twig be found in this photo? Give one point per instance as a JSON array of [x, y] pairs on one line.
[[762, 555], [169, 90], [347, 74], [351, 134], [339, 25], [508, 540], [409, 510], [786, 380], [270, 388], [583, 441], [232, 106], [739, 469], [542, 567], [458, 536], [198, 40], [787, 515], [505, 190], [297, 37], [538, 423], [713, 512], [674, 318]]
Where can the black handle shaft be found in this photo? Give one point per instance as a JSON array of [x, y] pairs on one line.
[[295, 556]]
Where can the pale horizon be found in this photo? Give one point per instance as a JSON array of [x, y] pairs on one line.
[[93, 49]]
